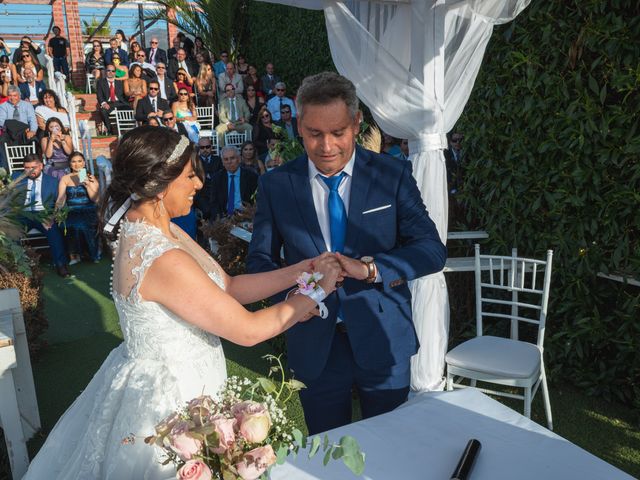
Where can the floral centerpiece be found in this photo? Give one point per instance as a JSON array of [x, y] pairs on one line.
[[243, 431]]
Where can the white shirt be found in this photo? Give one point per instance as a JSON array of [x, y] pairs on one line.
[[38, 203], [33, 95], [163, 93]]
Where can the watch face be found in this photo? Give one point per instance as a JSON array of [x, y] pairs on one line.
[[366, 259]]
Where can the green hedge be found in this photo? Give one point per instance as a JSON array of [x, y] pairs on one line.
[[551, 131], [294, 39]]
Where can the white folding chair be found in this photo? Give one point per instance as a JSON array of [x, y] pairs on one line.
[[90, 82], [215, 148], [125, 121], [15, 156], [205, 118], [507, 287], [235, 138]]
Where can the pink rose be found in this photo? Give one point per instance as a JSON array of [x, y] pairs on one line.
[[253, 419], [194, 470], [225, 430], [182, 443], [255, 462]]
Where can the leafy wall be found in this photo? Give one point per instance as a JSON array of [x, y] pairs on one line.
[[551, 134]]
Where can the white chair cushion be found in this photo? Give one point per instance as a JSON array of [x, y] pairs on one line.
[[496, 355]]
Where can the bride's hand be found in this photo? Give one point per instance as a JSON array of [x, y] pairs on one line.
[[328, 265]]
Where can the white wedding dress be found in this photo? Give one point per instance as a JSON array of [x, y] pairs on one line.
[[163, 362]]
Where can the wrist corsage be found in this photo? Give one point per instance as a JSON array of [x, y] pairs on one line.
[[308, 284]]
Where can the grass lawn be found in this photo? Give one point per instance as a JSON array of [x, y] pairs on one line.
[[83, 329]]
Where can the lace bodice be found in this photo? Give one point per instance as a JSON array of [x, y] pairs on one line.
[[150, 330]]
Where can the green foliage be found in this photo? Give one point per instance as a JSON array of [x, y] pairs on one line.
[[91, 26], [552, 134], [294, 39]]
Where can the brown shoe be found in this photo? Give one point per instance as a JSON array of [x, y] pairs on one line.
[[63, 271]]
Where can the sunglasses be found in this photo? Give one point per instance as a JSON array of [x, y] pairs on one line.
[[158, 68], [279, 89], [168, 119], [110, 70], [154, 43], [154, 88], [26, 56], [183, 94], [205, 147], [266, 116]]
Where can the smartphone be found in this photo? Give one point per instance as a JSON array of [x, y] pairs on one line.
[[82, 175]]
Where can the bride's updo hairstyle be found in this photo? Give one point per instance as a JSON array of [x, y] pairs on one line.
[[148, 159]]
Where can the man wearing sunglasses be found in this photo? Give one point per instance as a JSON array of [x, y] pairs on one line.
[[152, 105], [155, 54], [233, 112], [277, 103], [169, 121], [110, 93], [167, 90]]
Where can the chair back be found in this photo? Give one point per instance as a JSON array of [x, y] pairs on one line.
[[513, 288], [125, 121], [235, 138], [15, 156], [205, 117], [90, 83]]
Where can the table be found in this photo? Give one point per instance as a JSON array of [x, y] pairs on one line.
[[424, 439]]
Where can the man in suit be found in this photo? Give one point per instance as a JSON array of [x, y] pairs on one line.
[[187, 44], [110, 93], [211, 164], [269, 80], [155, 54], [342, 198], [40, 193], [173, 51], [454, 162], [167, 91], [231, 187], [114, 49], [233, 113], [169, 121], [32, 88], [288, 123], [18, 119], [181, 61], [152, 105], [230, 76]]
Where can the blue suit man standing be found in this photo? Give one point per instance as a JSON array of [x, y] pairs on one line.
[[40, 192], [367, 208]]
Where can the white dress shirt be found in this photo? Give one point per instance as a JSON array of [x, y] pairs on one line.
[[163, 92], [38, 203]]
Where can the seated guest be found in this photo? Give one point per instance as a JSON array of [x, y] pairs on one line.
[[206, 86], [56, 148], [263, 131], [220, 66], [152, 105], [27, 62], [135, 87], [252, 79], [153, 122], [242, 67], [233, 186], [110, 93], [200, 49], [18, 119], [4, 48], [233, 113], [276, 103], [288, 123], [134, 48], [114, 49], [5, 69], [122, 71], [167, 90], [181, 62], [31, 88], [210, 165], [183, 81], [250, 160], [4, 86], [80, 191], [155, 54], [186, 44], [49, 107], [122, 40], [229, 76], [254, 103], [41, 191], [173, 51], [148, 70], [27, 45], [269, 80], [184, 109], [94, 62], [169, 121]]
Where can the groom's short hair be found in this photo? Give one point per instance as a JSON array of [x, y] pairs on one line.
[[324, 88]]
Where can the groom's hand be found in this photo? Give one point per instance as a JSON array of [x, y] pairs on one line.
[[353, 268]]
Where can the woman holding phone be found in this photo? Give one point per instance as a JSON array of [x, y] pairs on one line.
[[80, 191], [56, 148]]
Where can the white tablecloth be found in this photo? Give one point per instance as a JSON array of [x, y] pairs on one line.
[[424, 439]]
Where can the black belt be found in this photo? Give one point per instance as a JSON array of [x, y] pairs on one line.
[[341, 328]]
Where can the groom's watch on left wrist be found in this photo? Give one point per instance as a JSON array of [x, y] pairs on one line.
[[371, 268]]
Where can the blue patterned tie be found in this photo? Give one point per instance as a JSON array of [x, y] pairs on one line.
[[34, 195], [231, 198], [337, 213]]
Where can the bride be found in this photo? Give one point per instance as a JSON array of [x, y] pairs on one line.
[[174, 301]]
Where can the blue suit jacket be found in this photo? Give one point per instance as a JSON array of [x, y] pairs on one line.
[[24, 89], [402, 239], [49, 189]]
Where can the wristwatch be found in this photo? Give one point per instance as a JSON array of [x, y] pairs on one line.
[[371, 268]]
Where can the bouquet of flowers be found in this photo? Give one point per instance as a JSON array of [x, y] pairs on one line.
[[243, 431]]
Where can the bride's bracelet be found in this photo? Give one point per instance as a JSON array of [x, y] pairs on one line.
[[308, 284]]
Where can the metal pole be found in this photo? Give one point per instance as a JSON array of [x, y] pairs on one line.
[[141, 22]]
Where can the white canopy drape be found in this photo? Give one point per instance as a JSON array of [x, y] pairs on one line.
[[414, 63]]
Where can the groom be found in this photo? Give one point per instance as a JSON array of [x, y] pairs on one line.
[[342, 198]]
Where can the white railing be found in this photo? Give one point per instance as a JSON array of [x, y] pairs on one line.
[[57, 83], [73, 124]]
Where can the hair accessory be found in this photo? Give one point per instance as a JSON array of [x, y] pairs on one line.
[[115, 218], [179, 150], [308, 285]]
